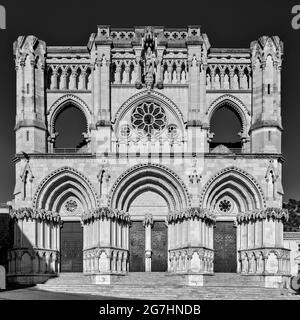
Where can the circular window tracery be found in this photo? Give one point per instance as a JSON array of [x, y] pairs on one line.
[[225, 205], [172, 131], [125, 131], [149, 118], [71, 205]]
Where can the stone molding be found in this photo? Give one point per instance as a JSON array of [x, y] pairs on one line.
[[148, 220], [268, 213], [105, 213], [35, 214], [161, 169], [110, 252], [33, 252], [233, 170], [56, 107], [191, 213], [140, 96], [64, 171]]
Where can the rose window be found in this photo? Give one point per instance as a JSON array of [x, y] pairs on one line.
[[225, 205], [71, 205], [149, 118]]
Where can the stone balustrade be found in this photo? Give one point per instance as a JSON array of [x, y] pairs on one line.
[[260, 245], [35, 255], [105, 244]]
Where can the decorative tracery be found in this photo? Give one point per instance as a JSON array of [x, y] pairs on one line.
[[149, 118]]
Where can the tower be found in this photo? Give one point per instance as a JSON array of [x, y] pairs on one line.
[[30, 118], [266, 124]]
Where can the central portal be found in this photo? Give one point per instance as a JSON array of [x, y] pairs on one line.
[[148, 240], [138, 248]]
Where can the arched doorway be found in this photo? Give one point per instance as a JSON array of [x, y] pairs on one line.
[[69, 193], [148, 203], [149, 192], [229, 192]]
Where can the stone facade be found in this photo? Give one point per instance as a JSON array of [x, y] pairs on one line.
[[148, 95], [292, 242]]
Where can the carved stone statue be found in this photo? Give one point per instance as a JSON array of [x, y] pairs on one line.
[[149, 58]]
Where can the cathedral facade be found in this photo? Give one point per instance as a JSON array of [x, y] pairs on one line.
[[148, 189]]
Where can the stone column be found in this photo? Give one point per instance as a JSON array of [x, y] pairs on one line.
[[109, 250], [262, 249], [31, 226], [148, 223], [64, 79], [192, 233]]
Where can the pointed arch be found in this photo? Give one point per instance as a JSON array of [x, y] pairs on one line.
[[236, 105], [237, 184], [60, 104], [149, 177], [62, 183], [141, 96]]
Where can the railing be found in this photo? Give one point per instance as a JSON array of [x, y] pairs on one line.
[[69, 150], [226, 147], [230, 150]]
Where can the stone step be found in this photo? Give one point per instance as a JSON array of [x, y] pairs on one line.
[[159, 278], [200, 294], [159, 286]]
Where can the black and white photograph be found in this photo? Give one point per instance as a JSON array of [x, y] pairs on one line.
[[149, 153]]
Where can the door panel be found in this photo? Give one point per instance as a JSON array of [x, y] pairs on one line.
[[71, 246], [137, 247], [225, 247], [159, 244]]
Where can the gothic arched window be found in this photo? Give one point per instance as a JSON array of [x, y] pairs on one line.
[[70, 126]]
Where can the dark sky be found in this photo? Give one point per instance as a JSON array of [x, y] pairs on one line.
[[227, 23]]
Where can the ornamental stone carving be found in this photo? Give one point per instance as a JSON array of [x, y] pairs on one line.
[[203, 214], [105, 213], [268, 213], [39, 214]]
